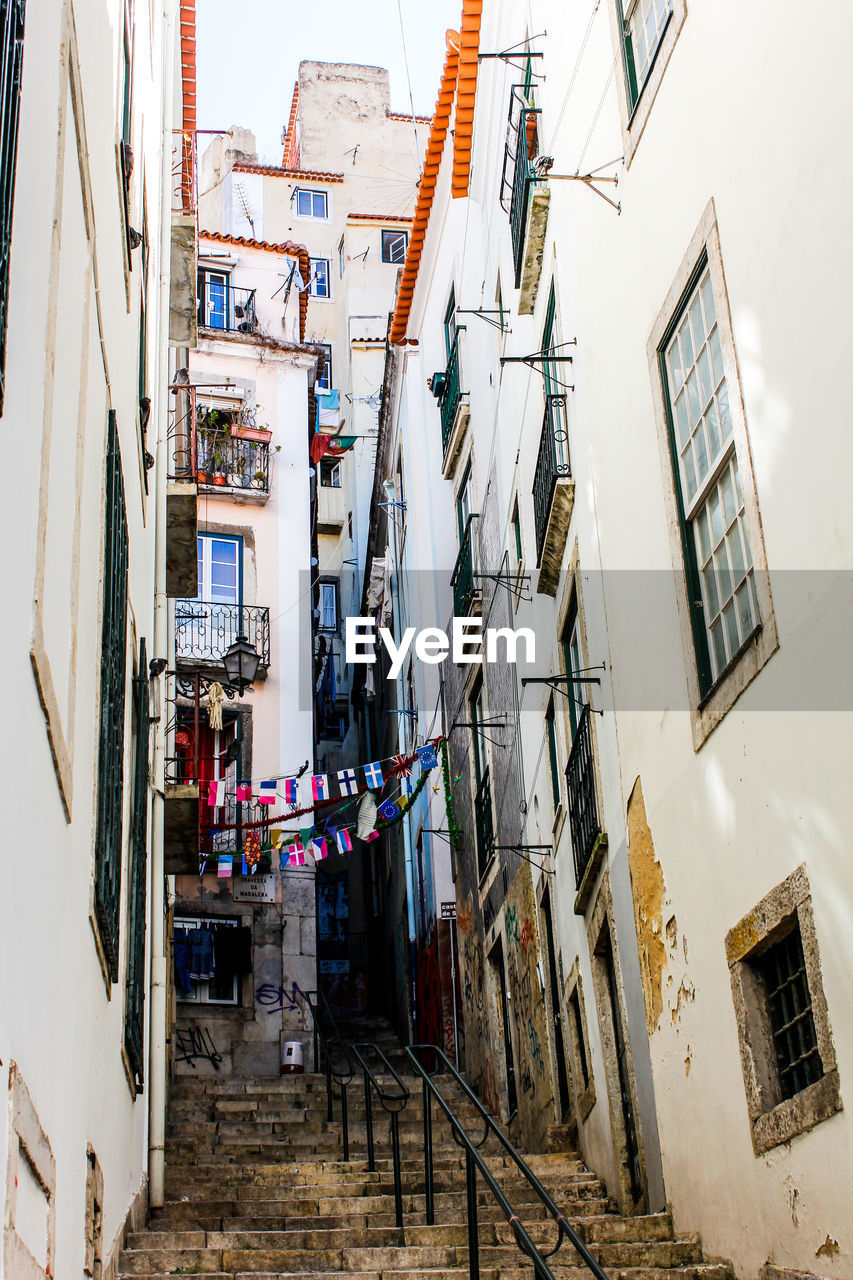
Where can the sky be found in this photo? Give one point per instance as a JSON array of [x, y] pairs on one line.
[[248, 55]]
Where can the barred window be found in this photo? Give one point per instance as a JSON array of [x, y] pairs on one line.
[[108, 843], [789, 1006], [12, 53], [134, 1022]]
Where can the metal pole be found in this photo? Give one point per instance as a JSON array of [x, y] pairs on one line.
[[428, 1175], [368, 1120], [329, 1113], [398, 1180], [452, 924], [473, 1234], [344, 1121]]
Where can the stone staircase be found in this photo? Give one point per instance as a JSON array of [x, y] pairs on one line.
[[256, 1188]]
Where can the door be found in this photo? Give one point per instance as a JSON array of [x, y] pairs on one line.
[[632, 1147], [509, 1057], [563, 1097], [207, 625], [574, 665], [463, 503], [214, 300]]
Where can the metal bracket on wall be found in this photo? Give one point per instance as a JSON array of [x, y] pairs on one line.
[[580, 677], [515, 583], [591, 178], [507, 55], [479, 725], [537, 360], [523, 849], [486, 315]]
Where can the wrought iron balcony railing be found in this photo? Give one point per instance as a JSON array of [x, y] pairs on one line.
[[232, 461], [483, 823], [451, 394], [463, 582], [224, 306], [205, 630], [522, 176], [583, 806], [551, 464]]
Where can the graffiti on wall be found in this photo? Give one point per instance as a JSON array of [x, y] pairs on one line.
[[278, 999], [195, 1044]]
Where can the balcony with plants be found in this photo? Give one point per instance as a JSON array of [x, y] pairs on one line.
[[232, 454]]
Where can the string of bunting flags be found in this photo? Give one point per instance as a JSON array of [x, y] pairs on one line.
[[312, 793]]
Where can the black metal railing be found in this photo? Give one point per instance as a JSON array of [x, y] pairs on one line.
[[331, 1056], [226, 307], [522, 177], [483, 822], [463, 582], [392, 1100], [451, 394], [551, 464], [583, 806], [352, 947], [475, 1164], [232, 461], [205, 630]]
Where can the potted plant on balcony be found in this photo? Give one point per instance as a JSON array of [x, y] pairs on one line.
[[246, 427], [259, 480], [218, 467]]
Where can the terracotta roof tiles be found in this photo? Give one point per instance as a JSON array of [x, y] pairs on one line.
[[273, 171], [289, 247]]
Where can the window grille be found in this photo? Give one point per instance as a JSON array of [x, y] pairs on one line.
[[789, 1005], [134, 1012], [108, 842], [12, 54]]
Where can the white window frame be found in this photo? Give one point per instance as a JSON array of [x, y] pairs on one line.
[[402, 235], [334, 468], [342, 259], [708, 706], [200, 993], [313, 286], [328, 592], [325, 382], [312, 197]]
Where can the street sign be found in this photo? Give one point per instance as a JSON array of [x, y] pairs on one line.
[[448, 910]]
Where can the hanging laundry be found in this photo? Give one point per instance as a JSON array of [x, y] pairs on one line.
[[201, 966], [366, 816], [232, 950], [329, 407], [214, 705], [182, 953]]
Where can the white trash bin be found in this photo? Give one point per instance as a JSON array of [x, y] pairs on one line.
[[291, 1063]]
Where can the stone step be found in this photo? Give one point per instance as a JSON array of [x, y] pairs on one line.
[[703, 1271], [218, 1216]]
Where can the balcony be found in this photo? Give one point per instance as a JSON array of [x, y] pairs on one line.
[[553, 494], [233, 465], [588, 840], [529, 198], [454, 409], [483, 824], [331, 508], [466, 593], [226, 308], [183, 298], [205, 630]]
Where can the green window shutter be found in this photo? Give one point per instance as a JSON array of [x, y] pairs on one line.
[[134, 1024], [631, 85], [552, 753], [688, 543], [11, 63], [548, 368], [108, 839]]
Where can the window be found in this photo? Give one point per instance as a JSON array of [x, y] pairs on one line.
[[577, 1027], [787, 1055], [134, 1021], [464, 500], [394, 244], [330, 473], [328, 606], [516, 534], [553, 759], [215, 990], [126, 140], [213, 299], [643, 25], [12, 37], [219, 569], [717, 551], [450, 323], [342, 258], [324, 382], [573, 665], [320, 278], [108, 842], [311, 204], [783, 971], [483, 821]]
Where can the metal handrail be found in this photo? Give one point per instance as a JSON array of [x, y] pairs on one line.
[[474, 1161], [393, 1104], [342, 1077]]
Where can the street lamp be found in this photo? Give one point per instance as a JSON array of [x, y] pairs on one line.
[[241, 664]]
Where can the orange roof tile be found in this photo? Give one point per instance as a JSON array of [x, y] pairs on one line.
[[401, 115], [290, 156], [273, 171], [380, 217], [466, 90], [289, 247], [426, 190], [188, 65]]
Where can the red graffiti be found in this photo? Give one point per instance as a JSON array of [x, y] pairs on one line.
[[526, 936]]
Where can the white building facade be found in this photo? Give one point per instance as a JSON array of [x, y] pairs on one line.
[[650, 875]]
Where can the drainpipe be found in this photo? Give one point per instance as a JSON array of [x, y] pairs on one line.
[[390, 490], [159, 966]]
